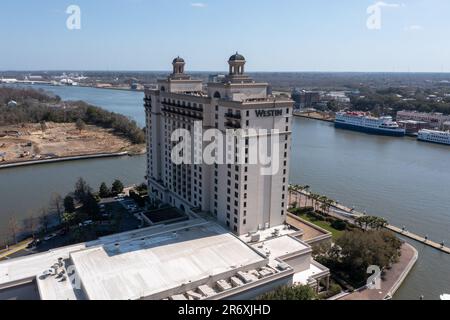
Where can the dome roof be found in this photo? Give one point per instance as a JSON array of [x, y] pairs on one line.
[[178, 60], [237, 57]]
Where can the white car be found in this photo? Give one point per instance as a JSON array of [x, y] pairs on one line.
[[49, 237]]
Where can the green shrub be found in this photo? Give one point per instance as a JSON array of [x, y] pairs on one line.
[[339, 225]]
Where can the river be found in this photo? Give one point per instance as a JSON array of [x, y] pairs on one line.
[[405, 181]]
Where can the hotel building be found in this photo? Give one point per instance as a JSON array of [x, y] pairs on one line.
[[237, 194]]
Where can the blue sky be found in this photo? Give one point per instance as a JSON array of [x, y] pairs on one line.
[[274, 35]]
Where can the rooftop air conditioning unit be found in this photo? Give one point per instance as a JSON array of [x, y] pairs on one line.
[[255, 237]]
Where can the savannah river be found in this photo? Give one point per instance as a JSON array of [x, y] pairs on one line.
[[403, 180]]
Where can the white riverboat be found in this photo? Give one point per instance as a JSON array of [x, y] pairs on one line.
[[441, 137]]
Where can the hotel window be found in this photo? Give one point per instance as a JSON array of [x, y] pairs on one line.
[[248, 113], [244, 222]]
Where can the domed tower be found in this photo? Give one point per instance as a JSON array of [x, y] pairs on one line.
[[237, 63], [178, 66]]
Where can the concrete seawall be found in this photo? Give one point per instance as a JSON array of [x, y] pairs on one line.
[[63, 159]]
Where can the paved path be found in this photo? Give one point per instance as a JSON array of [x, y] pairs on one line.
[[393, 278], [15, 248]]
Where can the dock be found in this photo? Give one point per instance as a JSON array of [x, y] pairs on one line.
[[337, 211]]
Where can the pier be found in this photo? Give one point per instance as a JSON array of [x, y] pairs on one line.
[[417, 238], [341, 212]]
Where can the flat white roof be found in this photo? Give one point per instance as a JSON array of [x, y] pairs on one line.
[[280, 247], [304, 276], [141, 267], [34, 265]]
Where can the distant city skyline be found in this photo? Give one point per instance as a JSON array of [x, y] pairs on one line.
[[284, 36]]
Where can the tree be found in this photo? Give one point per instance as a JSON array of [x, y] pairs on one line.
[[82, 189], [43, 126], [104, 191], [117, 187], [13, 227], [68, 219], [56, 203], [371, 222], [91, 206], [356, 250], [80, 125], [30, 225], [44, 220], [298, 293], [69, 204]]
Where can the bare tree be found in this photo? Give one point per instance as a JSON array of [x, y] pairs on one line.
[[13, 228], [30, 225], [56, 203], [44, 220], [43, 126]]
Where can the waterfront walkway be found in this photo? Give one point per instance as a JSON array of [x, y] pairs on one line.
[[392, 280], [341, 212]]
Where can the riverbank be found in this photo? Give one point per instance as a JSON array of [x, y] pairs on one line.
[[65, 159], [391, 280], [321, 116], [51, 142]]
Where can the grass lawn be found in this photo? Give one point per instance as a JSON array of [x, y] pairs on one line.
[[323, 224]]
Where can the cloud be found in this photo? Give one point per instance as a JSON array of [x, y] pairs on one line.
[[198, 5], [414, 27]]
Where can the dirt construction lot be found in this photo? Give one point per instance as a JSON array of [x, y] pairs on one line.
[[31, 142]]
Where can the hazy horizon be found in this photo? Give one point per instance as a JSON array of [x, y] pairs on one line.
[[275, 36]]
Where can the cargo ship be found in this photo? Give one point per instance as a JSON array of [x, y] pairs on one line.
[[360, 121]]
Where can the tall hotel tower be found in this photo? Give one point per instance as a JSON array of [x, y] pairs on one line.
[[238, 195]]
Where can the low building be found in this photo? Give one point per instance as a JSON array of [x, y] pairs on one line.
[[413, 126], [193, 260], [435, 120], [305, 99], [12, 104]]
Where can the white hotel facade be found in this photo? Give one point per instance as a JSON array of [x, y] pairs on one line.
[[238, 194]]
